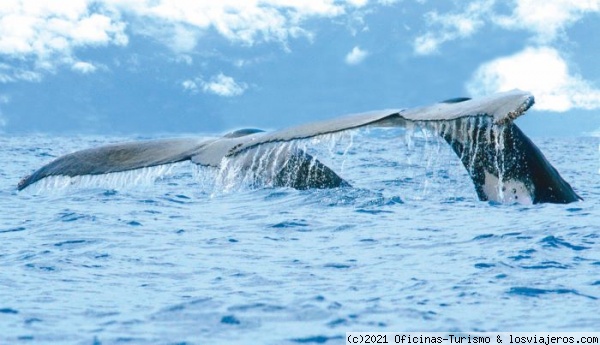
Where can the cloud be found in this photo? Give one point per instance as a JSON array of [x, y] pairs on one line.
[[45, 34], [83, 67], [544, 19], [220, 85], [452, 26], [539, 68], [9, 73], [190, 85], [356, 56], [245, 22], [223, 85], [541, 71]]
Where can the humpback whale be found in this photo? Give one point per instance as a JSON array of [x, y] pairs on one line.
[[503, 163]]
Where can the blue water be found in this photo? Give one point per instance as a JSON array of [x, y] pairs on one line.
[[179, 256]]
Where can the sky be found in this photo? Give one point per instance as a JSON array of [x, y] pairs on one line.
[[204, 66]]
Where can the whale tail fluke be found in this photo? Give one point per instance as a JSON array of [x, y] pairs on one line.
[[504, 164], [291, 168], [116, 158]]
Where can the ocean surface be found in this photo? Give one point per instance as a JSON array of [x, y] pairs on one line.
[[183, 255]]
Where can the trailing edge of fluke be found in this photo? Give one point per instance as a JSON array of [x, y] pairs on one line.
[[504, 164]]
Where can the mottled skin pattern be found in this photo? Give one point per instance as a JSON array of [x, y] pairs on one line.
[[509, 156]]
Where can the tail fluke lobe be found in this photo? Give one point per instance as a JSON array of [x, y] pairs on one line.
[[303, 171], [116, 158], [504, 164], [281, 165]]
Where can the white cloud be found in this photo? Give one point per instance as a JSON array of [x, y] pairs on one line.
[[541, 71], [452, 26], [245, 22], [45, 33], [356, 56], [539, 68], [10, 73], [220, 85], [223, 85], [45, 28], [40, 36], [544, 19], [190, 85], [83, 67]]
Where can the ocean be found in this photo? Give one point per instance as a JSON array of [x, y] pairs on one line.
[[183, 255]]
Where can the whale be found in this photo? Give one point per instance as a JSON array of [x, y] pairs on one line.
[[504, 165]]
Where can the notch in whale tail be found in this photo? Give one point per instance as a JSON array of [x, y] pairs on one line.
[[504, 164]]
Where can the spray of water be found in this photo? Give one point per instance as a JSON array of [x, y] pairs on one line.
[[118, 180]]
